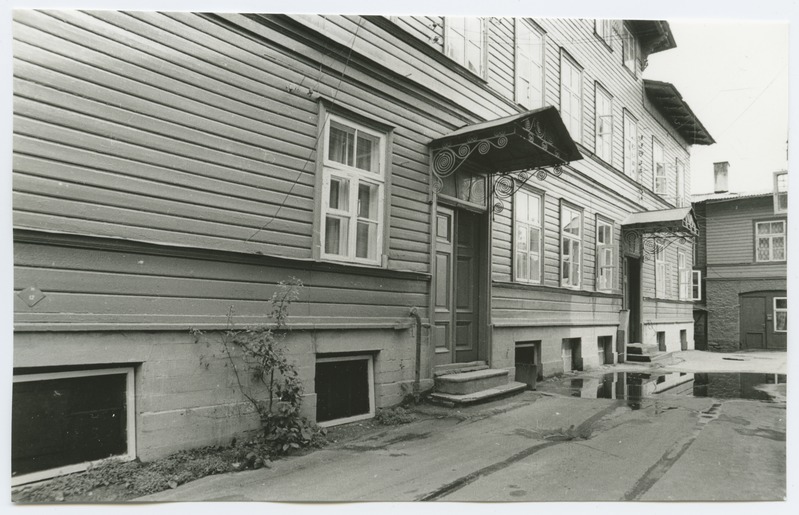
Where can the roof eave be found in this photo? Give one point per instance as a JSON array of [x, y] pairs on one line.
[[661, 93]]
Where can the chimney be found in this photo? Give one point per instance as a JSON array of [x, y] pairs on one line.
[[720, 173]]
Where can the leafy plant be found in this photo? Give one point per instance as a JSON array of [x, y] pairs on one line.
[[394, 416], [261, 349]]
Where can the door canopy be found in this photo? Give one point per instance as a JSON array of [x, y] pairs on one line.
[[641, 231], [511, 150]]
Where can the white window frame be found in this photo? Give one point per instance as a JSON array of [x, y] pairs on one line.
[[371, 381], [679, 167], [574, 260], [780, 310], [458, 37], [571, 96], [529, 57], [771, 236], [629, 49], [603, 125], [130, 407], [684, 276], [660, 269], [528, 225], [604, 29], [355, 177], [630, 145], [660, 181], [605, 257], [780, 192], [696, 285]]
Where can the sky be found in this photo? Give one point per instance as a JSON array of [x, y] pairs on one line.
[[734, 76]]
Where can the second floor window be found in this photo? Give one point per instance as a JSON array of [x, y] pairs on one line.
[[659, 168], [630, 146], [684, 277], [464, 42], [663, 271], [680, 200], [780, 192], [352, 192], [605, 262], [527, 240], [571, 232], [629, 50], [571, 97], [604, 125], [770, 241], [529, 65], [604, 29], [696, 285]]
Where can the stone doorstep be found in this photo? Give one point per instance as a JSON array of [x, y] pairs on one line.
[[641, 348], [496, 392], [471, 382], [649, 358], [457, 368]]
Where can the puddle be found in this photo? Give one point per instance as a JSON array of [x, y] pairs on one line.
[[635, 386]]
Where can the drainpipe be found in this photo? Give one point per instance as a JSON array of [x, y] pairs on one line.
[[418, 364]]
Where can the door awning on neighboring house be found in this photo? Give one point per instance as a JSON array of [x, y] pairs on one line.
[[511, 149], [666, 226]]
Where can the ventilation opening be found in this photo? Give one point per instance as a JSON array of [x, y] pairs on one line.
[[64, 421], [527, 362], [683, 339], [605, 350], [571, 353], [661, 337], [344, 389]]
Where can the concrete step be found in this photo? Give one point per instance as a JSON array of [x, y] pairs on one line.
[[642, 348], [464, 383], [658, 357], [488, 394], [457, 368]]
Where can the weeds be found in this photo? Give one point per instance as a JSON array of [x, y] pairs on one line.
[[394, 416]]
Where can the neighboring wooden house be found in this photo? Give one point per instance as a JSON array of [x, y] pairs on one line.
[[740, 272], [171, 168]]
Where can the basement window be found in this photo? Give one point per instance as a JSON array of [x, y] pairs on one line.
[[63, 422], [344, 389]]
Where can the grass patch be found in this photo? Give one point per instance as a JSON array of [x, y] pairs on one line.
[[128, 480], [394, 416]]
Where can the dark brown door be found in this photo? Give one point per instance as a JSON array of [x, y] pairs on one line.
[[753, 322], [457, 288]]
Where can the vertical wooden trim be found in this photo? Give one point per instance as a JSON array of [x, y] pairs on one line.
[[488, 267], [318, 182], [388, 171], [431, 310]]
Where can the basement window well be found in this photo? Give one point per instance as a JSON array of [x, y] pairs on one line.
[[344, 389], [62, 422]]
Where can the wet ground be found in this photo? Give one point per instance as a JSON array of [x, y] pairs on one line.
[[621, 434], [636, 386]]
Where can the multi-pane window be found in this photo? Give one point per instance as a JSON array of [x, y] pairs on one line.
[[658, 168], [527, 241], [780, 314], [684, 277], [680, 167], [529, 65], [352, 192], [628, 48], [770, 240], [780, 192], [630, 145], [604, 255], [571, 231], [571, 97], [604, 124], [604, 29], [660, 269], [464, 42], [696, 285]]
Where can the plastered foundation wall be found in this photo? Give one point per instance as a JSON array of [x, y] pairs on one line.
[[186, 393]]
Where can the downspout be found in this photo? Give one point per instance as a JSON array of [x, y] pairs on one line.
[[417, 365]]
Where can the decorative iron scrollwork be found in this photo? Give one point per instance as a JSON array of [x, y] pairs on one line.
[[645, 243], [447, 160]]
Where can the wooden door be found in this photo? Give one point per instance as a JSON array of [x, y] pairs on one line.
[[457, 286], [753, 322], [632, 297], [466, 286], [443, 288]]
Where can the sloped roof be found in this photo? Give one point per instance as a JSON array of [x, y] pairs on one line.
[[669, 102]]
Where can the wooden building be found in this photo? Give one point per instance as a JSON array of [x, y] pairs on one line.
[[740, 272], [479, 191]]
